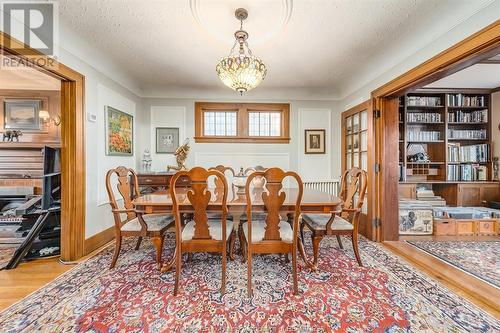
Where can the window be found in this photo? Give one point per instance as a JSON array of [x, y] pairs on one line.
[[219, 124], [251, 123]]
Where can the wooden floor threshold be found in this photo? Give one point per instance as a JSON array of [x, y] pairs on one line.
[[480, 293]]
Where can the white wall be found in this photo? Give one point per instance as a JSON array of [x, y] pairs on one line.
[[100, 90], [303, 114], [495, 123]]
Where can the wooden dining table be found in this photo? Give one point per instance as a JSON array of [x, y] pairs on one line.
[[313, 201]]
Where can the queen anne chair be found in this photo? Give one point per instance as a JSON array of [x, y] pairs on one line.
[[353, 182], [136, 224], [272, 234], [201, 234]]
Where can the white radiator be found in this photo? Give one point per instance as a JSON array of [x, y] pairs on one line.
[[331, 186]]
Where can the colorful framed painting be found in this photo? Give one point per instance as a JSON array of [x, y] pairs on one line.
[[167, 140], [119, 132], [315, 141]]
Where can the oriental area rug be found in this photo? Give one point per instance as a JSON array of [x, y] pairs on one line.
[[387, 295], [479, 258]]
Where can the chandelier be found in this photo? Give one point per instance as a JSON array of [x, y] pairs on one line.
[[241, 70]]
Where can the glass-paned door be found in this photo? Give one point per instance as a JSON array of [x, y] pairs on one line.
[[357, 127]]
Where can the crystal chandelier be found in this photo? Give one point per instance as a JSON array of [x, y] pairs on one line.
[[240, 70]]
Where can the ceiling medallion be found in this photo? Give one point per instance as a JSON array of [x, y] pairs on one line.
[[241, 70]]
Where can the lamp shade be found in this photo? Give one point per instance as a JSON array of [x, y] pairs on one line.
[[43, 114]]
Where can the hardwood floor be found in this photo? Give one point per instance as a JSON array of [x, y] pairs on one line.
[[482, 294], [16, 284]]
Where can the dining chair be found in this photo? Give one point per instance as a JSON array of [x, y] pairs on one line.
[[135, 224], [201, 234], [272, 234], [258, 181], [352, 192]]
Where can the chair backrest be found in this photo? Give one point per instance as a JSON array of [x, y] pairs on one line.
[[273, 200], [123, 185], [222, 169], [198, 196], [258, 181], [353, 181]]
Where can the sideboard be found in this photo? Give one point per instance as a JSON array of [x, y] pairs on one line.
[[150, 182]]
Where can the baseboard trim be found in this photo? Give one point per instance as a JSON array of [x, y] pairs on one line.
[[96, 241]]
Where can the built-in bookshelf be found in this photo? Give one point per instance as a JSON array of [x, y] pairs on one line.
[[445, 136]]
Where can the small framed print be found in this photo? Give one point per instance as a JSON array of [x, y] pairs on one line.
[[315, 141], [22, 114], [167, 140]]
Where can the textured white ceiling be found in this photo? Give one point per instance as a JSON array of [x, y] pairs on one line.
[[314, 49], [476, 76]]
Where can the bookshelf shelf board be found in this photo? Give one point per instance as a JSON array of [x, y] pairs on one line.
[[426, 163], [470, 139], [465, 123], [469, 162], [416, 107], [448, 182], [435, 141], [466, 107], [425, 123]]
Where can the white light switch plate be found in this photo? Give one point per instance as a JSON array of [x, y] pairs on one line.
[[91, 117]]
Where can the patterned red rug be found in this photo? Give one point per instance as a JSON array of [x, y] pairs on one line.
[[386, 296]]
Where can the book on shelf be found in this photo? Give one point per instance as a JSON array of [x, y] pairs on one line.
[[416, 117], [460, 116], [424, 101], [467, 172], [423, 135], [466, 100], [470, 153], [467, 134]]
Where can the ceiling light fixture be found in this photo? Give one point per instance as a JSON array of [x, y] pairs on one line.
[[241, 70]]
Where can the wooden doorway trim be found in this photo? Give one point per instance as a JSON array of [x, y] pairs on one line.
[[368, 226], [72, 145], [481, 45]]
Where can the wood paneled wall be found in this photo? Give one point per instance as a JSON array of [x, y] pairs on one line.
[[21, 163], [51, 101]]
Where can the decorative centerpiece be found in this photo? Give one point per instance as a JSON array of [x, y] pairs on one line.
[[240, 181], [146, 160], [180, 157]]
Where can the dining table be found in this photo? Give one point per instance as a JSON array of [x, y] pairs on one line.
[[313, 201]]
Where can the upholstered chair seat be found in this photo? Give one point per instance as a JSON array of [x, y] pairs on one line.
[[155, 222], [319, 222], [259, 229], [214, 226]]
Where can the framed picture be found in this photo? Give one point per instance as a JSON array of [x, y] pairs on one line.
[[315, 141], [22, 114], [119, 132], [415, 221], [167, 140]]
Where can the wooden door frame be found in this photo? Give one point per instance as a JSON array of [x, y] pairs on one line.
[[479, 46], [371, 230], [72, 144]]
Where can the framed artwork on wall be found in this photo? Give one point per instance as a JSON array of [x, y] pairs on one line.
[[315, 141], [22, 114], [119, 132], [167, 140]]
